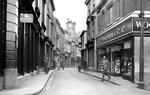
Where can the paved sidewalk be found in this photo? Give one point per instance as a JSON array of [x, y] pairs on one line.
[[32, 86], [114, 79]]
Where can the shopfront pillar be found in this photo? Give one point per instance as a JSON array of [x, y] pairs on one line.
[[10, 72]]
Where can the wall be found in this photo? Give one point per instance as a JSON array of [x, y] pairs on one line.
[[11, 53], [146, 59]]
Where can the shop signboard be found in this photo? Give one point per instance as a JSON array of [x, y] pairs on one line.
[[118, 31], [26, 17], [137, 24], [127, 45]]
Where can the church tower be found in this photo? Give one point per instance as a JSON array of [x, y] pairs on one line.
[[70, 27]]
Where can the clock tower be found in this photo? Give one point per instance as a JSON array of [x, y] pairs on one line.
[[70, 26]]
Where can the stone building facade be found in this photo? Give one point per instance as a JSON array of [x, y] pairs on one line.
[[23, 39]]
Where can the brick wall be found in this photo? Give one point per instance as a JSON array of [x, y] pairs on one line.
[[146, 5], [132, 5], [116, 8], [121, 8], [128, 6]]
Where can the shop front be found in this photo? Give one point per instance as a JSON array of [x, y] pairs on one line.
[[89, 54], [120, 44]]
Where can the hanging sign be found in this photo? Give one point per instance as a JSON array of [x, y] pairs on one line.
[[26, 17]]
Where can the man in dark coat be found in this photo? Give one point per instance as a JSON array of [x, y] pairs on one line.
[[46, 64], [105, 68], [84, 65]]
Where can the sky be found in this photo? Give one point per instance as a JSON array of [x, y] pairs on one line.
[[74, 10]]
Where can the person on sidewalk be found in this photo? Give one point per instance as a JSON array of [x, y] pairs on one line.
[[79, 67], [46, 64], [105, 68], [84, 65]]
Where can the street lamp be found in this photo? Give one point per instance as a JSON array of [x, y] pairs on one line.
[[141, 73]]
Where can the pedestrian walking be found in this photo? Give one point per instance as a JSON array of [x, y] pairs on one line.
[[79, 67], [46, 64], [58, 64], [84, 65], [105, 68], [62, 66]]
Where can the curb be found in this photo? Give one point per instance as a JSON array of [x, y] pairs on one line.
[[38, 92]]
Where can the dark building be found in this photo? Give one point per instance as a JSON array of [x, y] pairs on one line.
[[22, 40]]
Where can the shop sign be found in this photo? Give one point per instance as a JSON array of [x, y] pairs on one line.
[[115, 32], [118, 48], [127, 45], [26, 17], [137, 24], [112, 49]]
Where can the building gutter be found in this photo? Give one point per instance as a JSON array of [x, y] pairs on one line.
[[53, 6]]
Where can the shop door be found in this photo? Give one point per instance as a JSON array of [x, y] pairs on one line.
[[127, 65], [118, 62], [118, 59], [128, 61]]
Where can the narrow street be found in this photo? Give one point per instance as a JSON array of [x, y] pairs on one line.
[[70, 82]]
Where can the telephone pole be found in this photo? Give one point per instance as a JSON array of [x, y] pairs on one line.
[[141, 73]]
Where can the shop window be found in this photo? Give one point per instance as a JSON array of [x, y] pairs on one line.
[[108, 55], [117, 59], [101, 53], [112, 59]]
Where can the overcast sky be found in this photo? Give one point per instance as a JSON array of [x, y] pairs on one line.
[[75, 10]]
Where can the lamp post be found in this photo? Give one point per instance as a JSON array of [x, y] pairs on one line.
[[141, 73]]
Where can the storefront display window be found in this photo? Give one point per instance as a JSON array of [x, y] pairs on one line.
[[101, 53], [112, 59], [108, 55]]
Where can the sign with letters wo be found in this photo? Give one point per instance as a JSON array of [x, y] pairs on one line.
[[128, 26], [137, 24]]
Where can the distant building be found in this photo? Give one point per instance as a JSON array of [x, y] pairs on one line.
[[84, 51], [59, 48], [70, 27], [75, 40]]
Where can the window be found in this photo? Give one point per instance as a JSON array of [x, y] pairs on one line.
[[103, 19], [89, 12], [117, 10], [110, 14], [89, 7], [93, 34], [93, 6]]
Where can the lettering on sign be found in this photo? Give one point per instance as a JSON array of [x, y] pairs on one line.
[[115, 32], [137, 24], [146, 24]]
